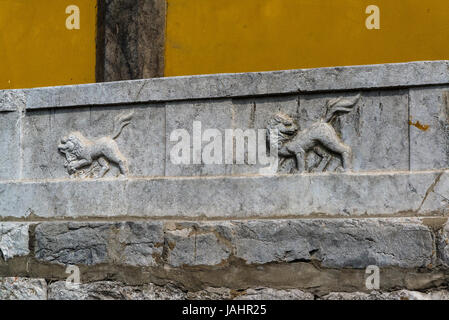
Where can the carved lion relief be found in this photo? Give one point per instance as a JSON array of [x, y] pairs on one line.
[[90, 158], [320, 138]]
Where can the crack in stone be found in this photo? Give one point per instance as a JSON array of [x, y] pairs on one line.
[[429, 190]]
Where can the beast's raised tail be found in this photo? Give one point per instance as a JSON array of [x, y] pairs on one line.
[[120, 122], [339, 105]]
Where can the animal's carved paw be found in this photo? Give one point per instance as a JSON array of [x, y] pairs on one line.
[[71, 168]]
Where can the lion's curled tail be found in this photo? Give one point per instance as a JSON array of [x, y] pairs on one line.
[[338, 106], [120, 122]]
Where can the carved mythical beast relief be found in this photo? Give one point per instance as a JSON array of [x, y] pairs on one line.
[[91, 158], [319, 138]]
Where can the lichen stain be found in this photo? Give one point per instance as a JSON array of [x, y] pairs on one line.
[[419, 125]]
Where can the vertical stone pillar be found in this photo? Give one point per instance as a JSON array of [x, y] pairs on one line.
[[130, 39]]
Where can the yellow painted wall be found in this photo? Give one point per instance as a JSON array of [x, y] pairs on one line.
[[36, 48], [213, 36]]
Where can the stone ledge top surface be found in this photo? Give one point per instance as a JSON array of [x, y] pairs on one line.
[[229, 85]]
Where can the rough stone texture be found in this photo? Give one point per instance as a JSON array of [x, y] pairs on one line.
[[189, 247], [337, 243], [75, 243], [12, 100], [272, 294], [429, 128], [23, 289], [10, 144], [13, 240], [443, 244], [242, 84], [127, 243], [36, 289], [212, 115], [111, 290], [396, 295], [211, 294], [134, 36], [437, 195], [228, 197]]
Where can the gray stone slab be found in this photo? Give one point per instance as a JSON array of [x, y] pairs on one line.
[[339, 243], [376, 76], [12, 100], [10, 144], [13, 240], [429, 128], [274, 294], [142, 142], [15, 288], [258, 196], [212, 114], [243, 84], [124, 243], [333, 243], [80, 243], [395, 295], [113, 290], [189, 247]]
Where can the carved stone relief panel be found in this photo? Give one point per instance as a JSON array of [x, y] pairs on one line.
[[91, 158], [320, 138]]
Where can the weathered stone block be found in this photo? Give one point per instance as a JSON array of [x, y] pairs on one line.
[[128, 243], [443, 245], [273, 294], [328, 194], [188, 246], [23, 289], [429, 128], [211, 293], [211, 115], [340, 243], [13, 240], [112, 290], [136, 243], [72, 243], [395, 295], [12, 100], [336, 243]]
